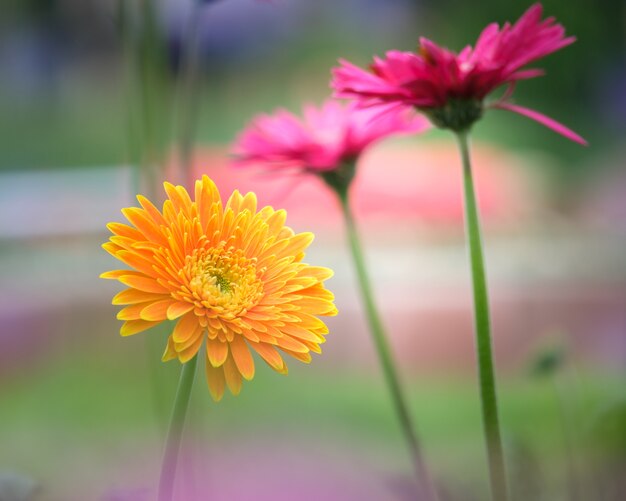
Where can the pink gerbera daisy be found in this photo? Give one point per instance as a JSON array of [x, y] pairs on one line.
[[323, 140], [450, 88]]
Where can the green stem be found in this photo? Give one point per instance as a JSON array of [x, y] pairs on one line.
[[426, 486], [497, 472], [174, 435]]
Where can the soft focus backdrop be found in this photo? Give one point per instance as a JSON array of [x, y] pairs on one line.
[[92, 89]]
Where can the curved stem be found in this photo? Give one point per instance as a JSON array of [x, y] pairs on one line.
[[175, 433], [488, 399], [426, 486]]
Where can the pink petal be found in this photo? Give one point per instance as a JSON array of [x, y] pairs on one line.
[[543, 120], [527, 74], [323, 138]]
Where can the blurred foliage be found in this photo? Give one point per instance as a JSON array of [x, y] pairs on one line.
[[527, 479], [77, 110], [547, 361], [606, 443], [93, 406], [608, 430]]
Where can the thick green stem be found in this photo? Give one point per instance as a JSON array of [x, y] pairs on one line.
[[427, 489], [175, 433], [497, 472]]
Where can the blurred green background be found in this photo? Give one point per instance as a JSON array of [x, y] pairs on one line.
[[89, 88]]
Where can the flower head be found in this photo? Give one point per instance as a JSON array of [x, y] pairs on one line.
[[450, 88], [231, 276], [323, 140]]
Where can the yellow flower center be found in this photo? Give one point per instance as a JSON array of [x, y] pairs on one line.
[[223, 281]]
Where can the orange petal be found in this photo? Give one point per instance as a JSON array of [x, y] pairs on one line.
[[217, 352], [185, 328], [156, 311], [123, 242], [319, 292], [254, 325], [258, 314], [250, 335], [193, 337], [312, 323], [111, 248], [249, 202], [276, 221], [243, 357], [270, 355], [232, 375], [144, 223], [298, 243], [332, 313], [179, 197], [266, 338], [239, 203], [131, 327], [303, 357], [281, 269], [115, 274], [143, 283], [269, 252], [169, 213], [318, 272], [136, 261], [191, 351], [152, 211], [300, 333], [216, 381], [275, 299], [316, 306], [233, 202], [178, 309], [285, 232], [132, 296], [314, 347], [170, 351], [291, 344], [227, 221], [123, 230], [206, 194], [132, 312], [299, 283]]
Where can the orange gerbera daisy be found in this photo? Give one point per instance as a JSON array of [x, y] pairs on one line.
[[229, 275]]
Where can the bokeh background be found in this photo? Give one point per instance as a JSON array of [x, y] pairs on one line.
[[92, 89]]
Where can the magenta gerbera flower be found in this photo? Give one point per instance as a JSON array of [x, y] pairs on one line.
[[323, 140], [451, 88]]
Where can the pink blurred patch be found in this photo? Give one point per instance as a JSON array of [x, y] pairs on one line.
[[418, 182]]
